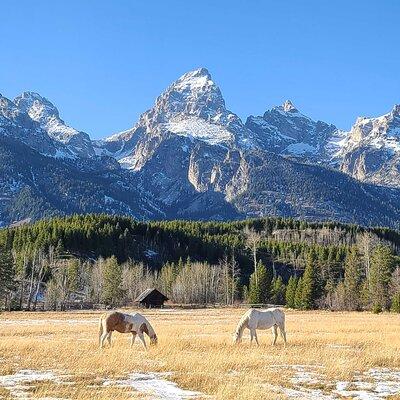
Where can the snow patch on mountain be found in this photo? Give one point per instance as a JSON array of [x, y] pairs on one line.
[[197, 128], [300, 148]]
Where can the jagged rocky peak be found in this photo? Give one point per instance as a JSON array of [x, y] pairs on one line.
[[11, 114], [43, 111], [396, 110], [288, 106], [194, 80], [38, 108], [372, 150], [7, 107], [194, 93], [387, 125]]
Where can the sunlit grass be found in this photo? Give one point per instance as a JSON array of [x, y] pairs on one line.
[[196, 345]]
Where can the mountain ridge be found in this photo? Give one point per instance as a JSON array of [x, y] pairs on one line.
[[188, 156]]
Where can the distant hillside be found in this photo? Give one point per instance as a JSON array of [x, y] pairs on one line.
[[284, 240]]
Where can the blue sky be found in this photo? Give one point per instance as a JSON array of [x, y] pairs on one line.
[[104, 62]]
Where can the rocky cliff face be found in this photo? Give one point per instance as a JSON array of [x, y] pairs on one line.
[[47, 116], [372, 150], [286, 131], [190, 157]]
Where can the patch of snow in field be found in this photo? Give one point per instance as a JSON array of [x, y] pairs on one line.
[[375, 384], [155, 385], [19, 383]]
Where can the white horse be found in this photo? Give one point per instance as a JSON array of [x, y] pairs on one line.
[[257, 319], [136, 324]]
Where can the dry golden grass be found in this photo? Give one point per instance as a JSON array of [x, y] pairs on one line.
[[196, 345]]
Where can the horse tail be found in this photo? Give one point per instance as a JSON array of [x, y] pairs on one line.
[[243, 323]]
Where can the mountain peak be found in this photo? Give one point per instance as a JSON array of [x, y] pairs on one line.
[[288, 106], [36, 105], [396, 110], [194, 80], [194, 93]]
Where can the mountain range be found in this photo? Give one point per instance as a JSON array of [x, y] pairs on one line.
[[190, 157]]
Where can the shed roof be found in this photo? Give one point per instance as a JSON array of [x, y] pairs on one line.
[[147, 292]]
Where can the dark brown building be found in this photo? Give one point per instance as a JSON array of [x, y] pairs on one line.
[[151, 298]]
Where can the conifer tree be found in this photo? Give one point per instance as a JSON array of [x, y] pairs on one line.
[[260, 285], [311, 289], [277, 291], [395, 307], [381, 268], [6, 275], [291, 292], [298, 297], [352, 280]]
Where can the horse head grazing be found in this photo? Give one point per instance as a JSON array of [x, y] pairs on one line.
[[153, 340], [236, 337]]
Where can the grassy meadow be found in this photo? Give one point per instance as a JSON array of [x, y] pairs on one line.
[[195, 347]]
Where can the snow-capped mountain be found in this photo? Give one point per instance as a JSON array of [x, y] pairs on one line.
[[17, 123], [190, 157], [47, 116], [286, 131], [372, 149], [192, 107]]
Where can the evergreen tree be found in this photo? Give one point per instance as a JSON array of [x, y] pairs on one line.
[[291, 291], [278, 291], [298, 297], [381, 267], [260, 285], [395, 307], [6, 275], [311, 289], [352, 280], [112, 281]]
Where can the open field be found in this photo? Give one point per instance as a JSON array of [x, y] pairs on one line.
[[329, 356]]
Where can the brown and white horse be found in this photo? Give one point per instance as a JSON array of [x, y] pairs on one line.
[[136, 324]]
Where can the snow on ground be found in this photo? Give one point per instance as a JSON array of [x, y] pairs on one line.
[[307, 380], [19, 383], [155, 385]]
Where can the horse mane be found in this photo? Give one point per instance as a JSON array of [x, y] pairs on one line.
[[242, 324]]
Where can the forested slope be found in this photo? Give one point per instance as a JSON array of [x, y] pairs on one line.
[[177, 256]]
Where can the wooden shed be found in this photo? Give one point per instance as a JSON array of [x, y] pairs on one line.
[[151, 298]]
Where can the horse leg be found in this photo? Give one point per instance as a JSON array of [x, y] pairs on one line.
[[133, 339], [275, 334], [251, 335], [109, 338], [255, 336], [103, 339], [283, 332], [141, 337]]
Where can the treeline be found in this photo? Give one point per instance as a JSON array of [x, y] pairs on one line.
[[111, 260]]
